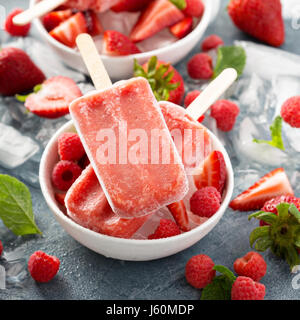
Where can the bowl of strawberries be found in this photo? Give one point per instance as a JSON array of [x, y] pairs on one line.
[[129, 30]]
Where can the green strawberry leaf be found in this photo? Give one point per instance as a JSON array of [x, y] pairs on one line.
[[292, 256], [22, 98], [276, 134], [263, 243], [230, 57], [180, 4], [294, 212], [225, 271], [16, 206], [267, 217], [283, 210], [218, 289], [259, 232]]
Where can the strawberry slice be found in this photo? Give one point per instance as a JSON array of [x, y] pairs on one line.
[[158, 15], [68, 30], [182, 28], [60, 198], [180, 215], [54, 97], [271, 185], [117, 44], [55, 18], [130, 5], [212, 173], [93, 23]]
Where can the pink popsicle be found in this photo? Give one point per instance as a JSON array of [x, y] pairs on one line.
[[87, 205], [134, 186]]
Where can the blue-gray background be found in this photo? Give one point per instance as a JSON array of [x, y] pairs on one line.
[[87, 275]]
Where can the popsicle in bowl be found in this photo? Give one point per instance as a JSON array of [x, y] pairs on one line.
[[127, 141]]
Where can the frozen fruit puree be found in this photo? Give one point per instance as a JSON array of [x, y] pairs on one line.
[[87, 205], [191, 138], [130, 148], [97, 5]]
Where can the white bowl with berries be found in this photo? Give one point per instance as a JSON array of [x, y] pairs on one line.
[[171, 43], [111, 236]]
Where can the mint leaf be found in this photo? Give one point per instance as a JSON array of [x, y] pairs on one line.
[[180, 4], [230, 57], [226, 272], [218, 289], [16, 206], [276, 134]]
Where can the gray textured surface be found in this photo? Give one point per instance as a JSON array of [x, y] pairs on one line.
[[87, 275]]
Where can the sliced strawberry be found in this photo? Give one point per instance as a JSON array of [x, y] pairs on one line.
[[130, 5], [158, 15], [54, 97], [182, 28], [93, 23], [68, 30], [60, 198], [271, 185], [55, 18], [180, 215], [117, 44], [212, 173]]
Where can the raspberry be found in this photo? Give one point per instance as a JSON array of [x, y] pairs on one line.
[[270, 206], [211, 42], [200, 66], [199, 271], [70, 147], [42, 266], [245, 288], [194, 8], [64, 174], [290, 111], [205, 202], [167, 228], [1, 247], [13, 29], [84, 162], [252, 265], [225, 112], [190, 97]]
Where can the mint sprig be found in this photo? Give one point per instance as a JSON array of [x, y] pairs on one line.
[[180, 4], [282, 235], [220, 287], [276, 134], [230, 57], [16, 206]]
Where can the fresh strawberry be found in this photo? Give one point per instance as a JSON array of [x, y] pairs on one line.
[[167, 84], [130, 5], [212, 173], [54, 97], [194, 8], [52, 19], [261, 19], [17, 72], [13, 29], [271, 185], [117, 44], [182, 28], [68, 30], [93, 23], [180, 215], [158, 15]]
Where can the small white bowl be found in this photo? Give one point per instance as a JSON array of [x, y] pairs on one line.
[[127, 249], [122, 67]]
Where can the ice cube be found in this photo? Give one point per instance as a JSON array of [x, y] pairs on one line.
[[15, 148], [2, 278]]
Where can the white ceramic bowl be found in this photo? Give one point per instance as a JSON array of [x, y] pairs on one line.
[[122, 67], [127, 249]]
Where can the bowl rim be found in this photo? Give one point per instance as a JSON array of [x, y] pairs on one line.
[[202, 25], [138, 242]]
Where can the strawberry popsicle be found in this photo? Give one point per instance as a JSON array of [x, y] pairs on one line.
[[192, 140], [96, 5], [87, 205], [130, 148]]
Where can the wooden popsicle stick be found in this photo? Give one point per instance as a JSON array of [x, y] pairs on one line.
[[93, 61], [40, 9], [211, 93]]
